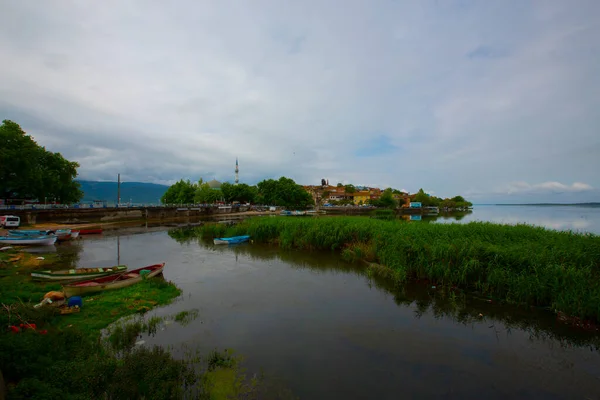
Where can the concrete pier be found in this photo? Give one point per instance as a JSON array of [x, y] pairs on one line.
[[110, 214]]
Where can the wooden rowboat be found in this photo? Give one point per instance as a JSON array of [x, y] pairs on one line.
[[112, 282], [91, 231], [76, 274], [30, 232], [232, 240], [28, 240]]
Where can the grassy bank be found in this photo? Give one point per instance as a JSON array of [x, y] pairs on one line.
[[520, 264], [66, 357]]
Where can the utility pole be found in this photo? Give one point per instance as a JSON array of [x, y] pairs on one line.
[[118, 189]]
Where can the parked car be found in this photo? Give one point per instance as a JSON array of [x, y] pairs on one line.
[[10, 221]]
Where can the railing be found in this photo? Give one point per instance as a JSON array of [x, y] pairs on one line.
[[126, 205]]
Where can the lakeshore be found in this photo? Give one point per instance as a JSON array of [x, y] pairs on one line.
[[274, 295]]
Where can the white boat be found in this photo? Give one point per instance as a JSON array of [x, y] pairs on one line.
[[28, 240]]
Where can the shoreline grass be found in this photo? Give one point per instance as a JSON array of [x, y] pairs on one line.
[[71, 356], [519, 264]]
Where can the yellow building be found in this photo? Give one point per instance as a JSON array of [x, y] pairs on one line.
[[362, 196]]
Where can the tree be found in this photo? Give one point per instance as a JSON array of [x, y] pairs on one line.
[[205, 194], [284, 192], [340, 184], [29, 171], [182, 192], [350, 189], [423, 198], [387, 200], [242, 192]]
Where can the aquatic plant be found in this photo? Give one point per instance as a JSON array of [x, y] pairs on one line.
[[520, 264]]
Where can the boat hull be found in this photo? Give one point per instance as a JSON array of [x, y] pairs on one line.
[[90, 231], [76, 274], [231, 240], [111, 283], [29, 241]]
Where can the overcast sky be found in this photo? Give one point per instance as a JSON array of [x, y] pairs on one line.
[[496, 100]]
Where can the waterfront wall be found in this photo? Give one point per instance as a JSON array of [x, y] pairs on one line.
[[109, 214]]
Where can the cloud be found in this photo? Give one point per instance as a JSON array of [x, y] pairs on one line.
[[159, 91], [376, 146], [549, 187]]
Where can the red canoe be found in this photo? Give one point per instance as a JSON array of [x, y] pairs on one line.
[[95, 231], [112, 282]]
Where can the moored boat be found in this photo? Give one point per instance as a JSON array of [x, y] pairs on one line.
[[91, 231], [29, 240], [29, 232], [77, 274], [232, 240], [63, 238], [112, 282]]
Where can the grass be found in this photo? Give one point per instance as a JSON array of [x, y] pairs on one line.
[[71, 359], [520, 264]]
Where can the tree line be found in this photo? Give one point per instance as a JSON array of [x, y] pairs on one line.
[[281, 192], [30, 172]]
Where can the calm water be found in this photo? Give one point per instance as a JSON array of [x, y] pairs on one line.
[[324, 330], [575, 218]]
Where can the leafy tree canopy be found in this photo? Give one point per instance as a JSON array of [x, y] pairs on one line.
[[181, 192], [241, 192], [386, 200], [283, 192], [29, 171], [350, 189]]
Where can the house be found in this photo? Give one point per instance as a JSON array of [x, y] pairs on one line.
[[361, 197]]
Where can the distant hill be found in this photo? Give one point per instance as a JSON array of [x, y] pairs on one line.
[[138, 192]]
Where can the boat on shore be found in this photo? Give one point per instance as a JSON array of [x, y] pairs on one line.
[[90, 231], [47, 240], [112, 282], [232, 240], [76, 274], [33, 232]]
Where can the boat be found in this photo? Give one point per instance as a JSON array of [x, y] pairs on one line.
[[29, 240], [91, 231], [26, 232], [63, 237], [76, 274], [232, 240], [286, 213], [112, 282]]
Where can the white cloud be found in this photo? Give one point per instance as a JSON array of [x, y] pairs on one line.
[[165, 90], [550, 187]]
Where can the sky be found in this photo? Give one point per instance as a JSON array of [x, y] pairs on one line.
[[496, 100]]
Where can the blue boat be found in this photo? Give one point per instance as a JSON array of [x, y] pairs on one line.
[[232, 240], [45, 240], [25, 232]]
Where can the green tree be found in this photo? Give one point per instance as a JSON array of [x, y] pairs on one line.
[[284, 192], [205, 194], [242, 192], [350, 189], [29, 171], [182, 192], [423, 198], [387, 200]]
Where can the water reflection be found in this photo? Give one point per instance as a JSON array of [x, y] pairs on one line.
[[540, 325], [575, 218]]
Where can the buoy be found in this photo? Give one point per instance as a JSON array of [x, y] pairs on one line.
[[75, 301]]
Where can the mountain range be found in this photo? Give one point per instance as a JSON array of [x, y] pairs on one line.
[[136, 192]]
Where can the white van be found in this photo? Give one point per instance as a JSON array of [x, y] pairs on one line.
[[10, 221]]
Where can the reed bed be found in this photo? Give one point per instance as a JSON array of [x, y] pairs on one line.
[[517, 263]]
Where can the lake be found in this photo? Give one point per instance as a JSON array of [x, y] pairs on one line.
[[322, 329], [575, 218]]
